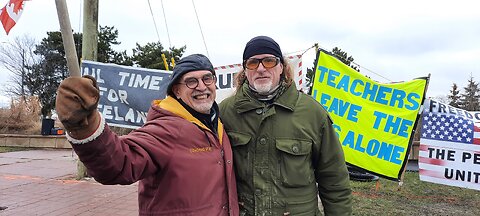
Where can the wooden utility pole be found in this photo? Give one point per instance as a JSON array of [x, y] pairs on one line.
[[89, 49], [90, 30]]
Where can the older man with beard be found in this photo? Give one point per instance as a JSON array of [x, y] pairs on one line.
[[286, 152], [181, 157]]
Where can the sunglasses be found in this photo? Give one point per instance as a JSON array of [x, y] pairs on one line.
[[267, 62], [192, 82]]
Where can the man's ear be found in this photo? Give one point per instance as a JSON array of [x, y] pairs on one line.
[[175, 91], [283, 71]]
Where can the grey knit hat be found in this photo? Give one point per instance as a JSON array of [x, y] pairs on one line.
[[189, 63]]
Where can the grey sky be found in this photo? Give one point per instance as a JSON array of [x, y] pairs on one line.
[[400, 40]]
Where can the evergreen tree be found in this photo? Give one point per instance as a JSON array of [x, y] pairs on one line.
[[45, 76], [454, 96], [107, 36], [470, 100], [340, 55], [311, 74], [343, 57], [150, 55]]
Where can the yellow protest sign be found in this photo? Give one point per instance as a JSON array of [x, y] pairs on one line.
[[374, 121]]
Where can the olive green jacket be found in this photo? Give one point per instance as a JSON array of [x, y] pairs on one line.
[[282, 151]]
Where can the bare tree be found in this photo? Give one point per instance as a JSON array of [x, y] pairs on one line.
[[17, 57]]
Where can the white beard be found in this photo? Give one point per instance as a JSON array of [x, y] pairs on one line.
[[203, 107], [264, 88]]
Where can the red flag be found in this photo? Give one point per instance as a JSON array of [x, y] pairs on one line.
[[10, 14]]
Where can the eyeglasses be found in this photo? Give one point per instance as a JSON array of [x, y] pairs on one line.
[[267, 62], [192, 82]]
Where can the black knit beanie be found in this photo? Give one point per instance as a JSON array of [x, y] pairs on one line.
[[262, 45]]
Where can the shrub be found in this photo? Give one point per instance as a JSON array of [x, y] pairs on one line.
[[23, 116]]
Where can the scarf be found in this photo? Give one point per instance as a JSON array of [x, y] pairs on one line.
[[272, 95], [210, 120]]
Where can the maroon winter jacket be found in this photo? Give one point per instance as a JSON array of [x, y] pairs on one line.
[[183, 168]]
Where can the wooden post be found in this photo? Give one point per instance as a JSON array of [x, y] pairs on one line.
[[89, 49], [70, 55], [67, 37], [400, 183]]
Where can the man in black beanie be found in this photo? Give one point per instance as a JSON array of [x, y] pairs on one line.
[[286, 152], [181, 157]]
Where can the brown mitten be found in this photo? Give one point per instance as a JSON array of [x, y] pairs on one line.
[[76, 105]]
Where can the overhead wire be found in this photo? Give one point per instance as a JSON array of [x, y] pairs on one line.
[[165, 63], [372, 72], [339, 57], [154, 22], [166, 26], [360, 66], [303, 51], [172, 59], [201, 31], [206, 48]]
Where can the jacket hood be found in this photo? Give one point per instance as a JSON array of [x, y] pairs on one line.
[[171, 107]]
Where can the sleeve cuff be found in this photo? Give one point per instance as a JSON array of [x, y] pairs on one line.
[[100, 129]]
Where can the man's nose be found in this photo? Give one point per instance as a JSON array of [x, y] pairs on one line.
[[201, 86], [261, 68]]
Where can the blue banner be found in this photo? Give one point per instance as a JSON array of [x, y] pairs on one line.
[[126, 92]]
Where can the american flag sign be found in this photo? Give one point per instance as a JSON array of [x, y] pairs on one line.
[[450, 128], [449, 147]]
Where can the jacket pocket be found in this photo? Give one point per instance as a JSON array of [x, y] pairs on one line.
[[303, 207], [245, 205], [295, 162], [241, 156]]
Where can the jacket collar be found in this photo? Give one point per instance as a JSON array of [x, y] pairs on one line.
[[245, 101], [172, 105]]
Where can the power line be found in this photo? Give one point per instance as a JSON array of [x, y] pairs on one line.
[[154, 23], [166, 26], [372, 72], [201, 31], [340, 57], [164, 58], [303, 51]]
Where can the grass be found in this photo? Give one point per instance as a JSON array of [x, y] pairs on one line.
[[12, 149], [415, 197]]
